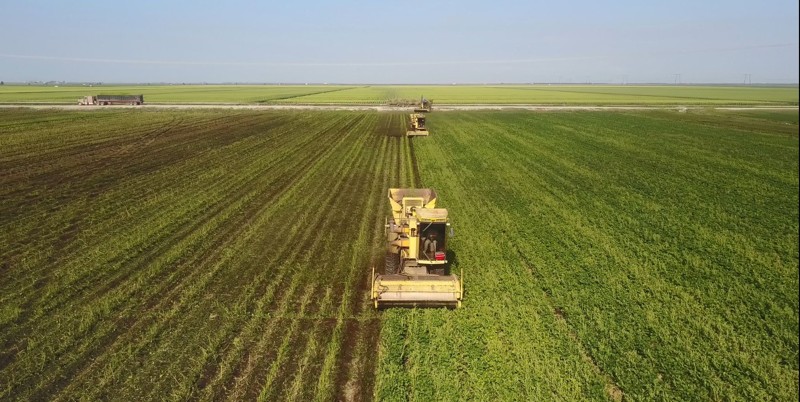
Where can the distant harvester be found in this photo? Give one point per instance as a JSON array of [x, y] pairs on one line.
[[112, 100]]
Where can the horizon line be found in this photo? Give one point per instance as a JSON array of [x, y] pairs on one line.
[[310, 83]]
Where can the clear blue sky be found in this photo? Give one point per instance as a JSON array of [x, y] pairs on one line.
[[346, 41]]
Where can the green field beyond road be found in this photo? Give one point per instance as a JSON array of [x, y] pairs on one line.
[[453, 94]]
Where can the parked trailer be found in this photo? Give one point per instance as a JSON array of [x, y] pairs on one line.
[[112, 100]]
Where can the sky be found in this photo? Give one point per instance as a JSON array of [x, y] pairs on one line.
[[400, 42]]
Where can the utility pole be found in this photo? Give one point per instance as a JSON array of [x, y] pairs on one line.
[[677, 79]]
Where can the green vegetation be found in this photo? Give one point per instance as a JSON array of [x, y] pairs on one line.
[[162, 255], [453, 94], [652, 255], [561, 94], [164, 93], [165, 255]]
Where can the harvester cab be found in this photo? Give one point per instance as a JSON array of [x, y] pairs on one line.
[[416, 270], [417, 125]]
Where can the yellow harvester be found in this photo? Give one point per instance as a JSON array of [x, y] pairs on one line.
[[417, 125], [424, 106], [416, 271]]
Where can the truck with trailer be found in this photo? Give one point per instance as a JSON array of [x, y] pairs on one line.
[[102, 100]]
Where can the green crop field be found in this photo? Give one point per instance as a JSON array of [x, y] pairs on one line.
[[451, 94], [652, 255], [207, 255], [252, 94], [559, 94]]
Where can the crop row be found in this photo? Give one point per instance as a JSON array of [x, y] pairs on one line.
[[192, 255]]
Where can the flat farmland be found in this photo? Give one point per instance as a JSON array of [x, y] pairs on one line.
[[250, 94], [558, 94], [609, 255], [191, 255], [441, 94], [163, 255]]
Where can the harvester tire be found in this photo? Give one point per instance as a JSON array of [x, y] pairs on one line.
[[392, 263]]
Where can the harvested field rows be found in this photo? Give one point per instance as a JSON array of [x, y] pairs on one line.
[[191, 255]]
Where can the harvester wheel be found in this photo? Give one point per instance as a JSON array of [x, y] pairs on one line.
[[392, 263]]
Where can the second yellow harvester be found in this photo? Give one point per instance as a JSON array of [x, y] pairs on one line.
[[417, 125]]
